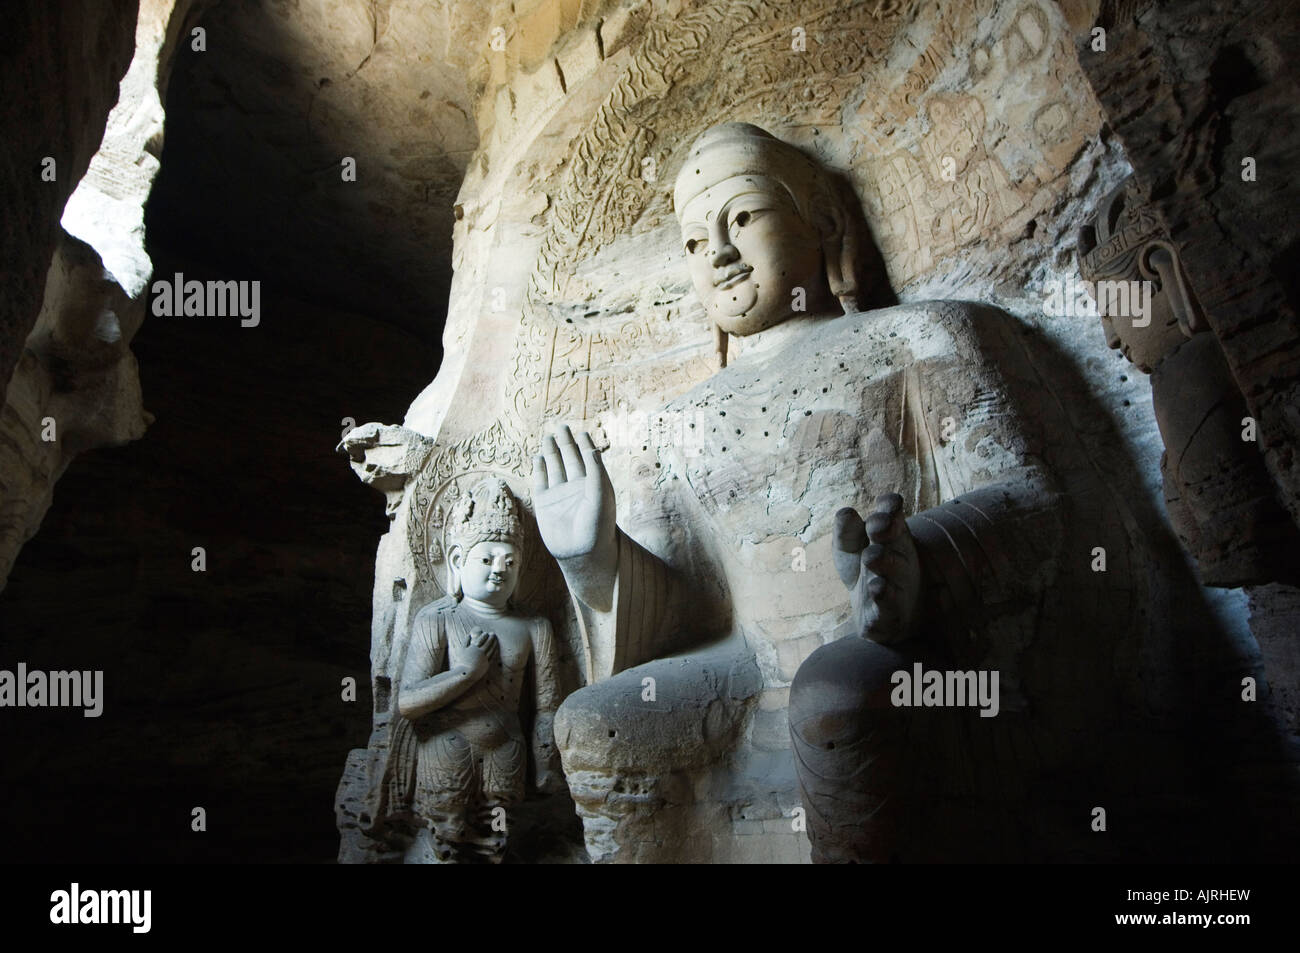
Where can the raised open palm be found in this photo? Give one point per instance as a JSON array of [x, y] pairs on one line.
[[573, 498]]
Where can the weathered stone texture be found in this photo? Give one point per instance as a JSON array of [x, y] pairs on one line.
[[1194, 90], [283, 95], [63, 64], [76, 385]]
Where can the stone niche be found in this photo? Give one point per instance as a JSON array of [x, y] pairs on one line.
[[975, 147]]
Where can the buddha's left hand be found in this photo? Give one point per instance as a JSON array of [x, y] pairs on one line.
[[877, 560]]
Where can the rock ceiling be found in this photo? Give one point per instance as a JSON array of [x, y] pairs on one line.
[[258, 129]]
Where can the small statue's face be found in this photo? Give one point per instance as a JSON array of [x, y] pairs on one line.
[[1168, 318], [489, 572], [1145, 346], [749, 249]]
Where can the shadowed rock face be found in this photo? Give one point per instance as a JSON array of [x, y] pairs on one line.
[[53, 106], [281, 96], [1199, 98], [1215, 90], [75, 386], [223, 688], [63, 66]]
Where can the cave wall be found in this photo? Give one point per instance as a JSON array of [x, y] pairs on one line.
[[1193, 91], [223, 688], [64, 62], [570, 300], [285, 94], [75, 385], [1205, 100], [63, 66]]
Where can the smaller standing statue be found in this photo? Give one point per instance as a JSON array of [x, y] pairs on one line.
[[459, 755], [1218, 493]]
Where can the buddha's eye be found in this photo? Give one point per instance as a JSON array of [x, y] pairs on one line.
[[487, 561], [742, 219], [695, 244]]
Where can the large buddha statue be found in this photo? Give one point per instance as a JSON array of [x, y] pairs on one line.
[[992, 546]]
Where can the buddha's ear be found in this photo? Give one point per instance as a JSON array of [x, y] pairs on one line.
[[840, 252], [1160, 262], [720, 341], [455, 562]]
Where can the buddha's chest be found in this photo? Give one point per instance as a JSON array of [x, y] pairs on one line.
[[769, 454]]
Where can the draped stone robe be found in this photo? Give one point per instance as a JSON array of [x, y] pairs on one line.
[[731, 509], [427, 760], [814, 415]]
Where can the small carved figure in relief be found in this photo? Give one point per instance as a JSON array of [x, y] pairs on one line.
[[1218, 492], [473, 666]]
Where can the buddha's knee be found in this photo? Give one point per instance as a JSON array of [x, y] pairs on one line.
[[849, 747], [663, 715], [845, 677]]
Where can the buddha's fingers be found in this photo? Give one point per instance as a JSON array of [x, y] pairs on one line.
[[574, 469], [887, 597], [886, 560], [599, 487], [891, 503], [540, 483], [590, 455], [847, 541], [554, 464], [886, 523], [878, 587]]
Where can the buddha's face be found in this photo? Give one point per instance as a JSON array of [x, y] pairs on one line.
[[488, 572], [748, 249]]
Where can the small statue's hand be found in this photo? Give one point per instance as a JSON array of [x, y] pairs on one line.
[[478, 652], [877, 560], [572, 497]]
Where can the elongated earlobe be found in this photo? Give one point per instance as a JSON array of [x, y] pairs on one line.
[[840, 251], [1160, 261], [455, 558], [720, 340]]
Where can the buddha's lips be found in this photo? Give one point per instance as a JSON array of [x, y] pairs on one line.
[[734, 276]]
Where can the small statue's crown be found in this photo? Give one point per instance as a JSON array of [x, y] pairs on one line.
[[489, 512], [1112, 238]]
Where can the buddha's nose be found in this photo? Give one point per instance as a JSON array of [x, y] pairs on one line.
[[725, 255], [722, 252]]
